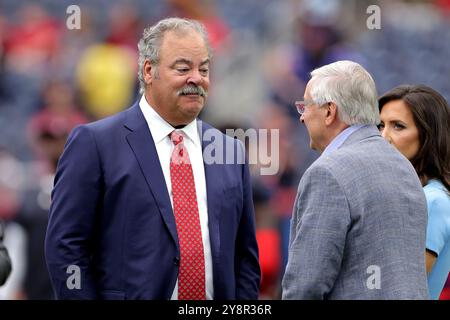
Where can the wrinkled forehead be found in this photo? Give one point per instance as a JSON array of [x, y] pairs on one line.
[[184, 35], [189, 43]]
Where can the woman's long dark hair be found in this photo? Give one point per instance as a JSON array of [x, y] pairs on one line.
[[431, 114]]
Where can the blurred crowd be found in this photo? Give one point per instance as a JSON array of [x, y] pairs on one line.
[[53, 79]]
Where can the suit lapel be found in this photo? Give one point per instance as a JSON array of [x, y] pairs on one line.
[[141, 142], [214, 194]]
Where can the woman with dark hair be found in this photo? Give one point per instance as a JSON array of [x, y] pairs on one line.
[[416, 120]]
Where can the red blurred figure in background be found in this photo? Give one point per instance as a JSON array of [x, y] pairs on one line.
[[48, 130]]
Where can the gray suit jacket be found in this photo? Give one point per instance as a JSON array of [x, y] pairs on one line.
[[358, 226]]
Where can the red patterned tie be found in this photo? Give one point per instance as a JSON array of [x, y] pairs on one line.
[[191, 278]]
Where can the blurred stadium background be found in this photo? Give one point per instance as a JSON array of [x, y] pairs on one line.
[[52, 79]]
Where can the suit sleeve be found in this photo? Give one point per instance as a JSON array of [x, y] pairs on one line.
[[75, 203], [248, 274], [319, 226]]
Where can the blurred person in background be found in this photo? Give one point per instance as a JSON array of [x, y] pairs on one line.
[[47, 131], [5, 260], [105, 70], [17, 105], [318, 38], [105, 78], [32, 41], [118, 188], [416, 120], [14, 235], [359, 221]]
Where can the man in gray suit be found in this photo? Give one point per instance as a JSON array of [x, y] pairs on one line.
[[359, 220]]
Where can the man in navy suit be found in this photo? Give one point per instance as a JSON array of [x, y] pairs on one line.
[[113, 232]]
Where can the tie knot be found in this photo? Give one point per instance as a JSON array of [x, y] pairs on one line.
[[176, 137]]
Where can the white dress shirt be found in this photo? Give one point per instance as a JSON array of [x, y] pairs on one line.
[[160, 130]]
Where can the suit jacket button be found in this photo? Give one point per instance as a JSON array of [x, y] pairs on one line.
[[176, 261]]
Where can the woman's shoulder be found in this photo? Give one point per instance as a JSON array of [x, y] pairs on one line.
[[436, 189], [438, 198]]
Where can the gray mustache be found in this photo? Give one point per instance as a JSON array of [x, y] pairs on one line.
[[192, 90]]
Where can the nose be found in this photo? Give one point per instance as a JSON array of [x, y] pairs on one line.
[[385, 134], [195, 78], [302, 119]]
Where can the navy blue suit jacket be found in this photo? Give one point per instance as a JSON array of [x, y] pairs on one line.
[[111, 217]]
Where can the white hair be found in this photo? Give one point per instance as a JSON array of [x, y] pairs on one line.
[[150, 43], [351, 88]]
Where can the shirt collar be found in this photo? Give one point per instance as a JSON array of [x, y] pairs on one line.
[[161, 129], [341, 137]]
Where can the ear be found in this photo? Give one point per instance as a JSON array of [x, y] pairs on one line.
[[148, 72], [331, 116]]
